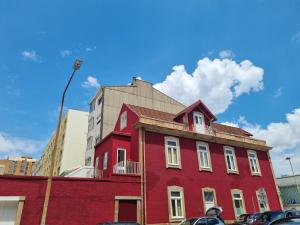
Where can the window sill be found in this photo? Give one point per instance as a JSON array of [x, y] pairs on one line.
[[173, 167], [206, 170], [232, 172], [256, 174], [176, 219]]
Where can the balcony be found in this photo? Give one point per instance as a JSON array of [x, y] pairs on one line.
[[127, 167]]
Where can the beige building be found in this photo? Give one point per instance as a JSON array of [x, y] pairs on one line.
[[70, 148], [17, 166], [106, 105]]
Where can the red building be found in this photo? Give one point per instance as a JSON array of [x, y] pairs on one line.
[[154, 168], [188, 163]]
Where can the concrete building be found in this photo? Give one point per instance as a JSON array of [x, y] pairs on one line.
[[17, 166], [106, 104], [289, 187], [70, 148]]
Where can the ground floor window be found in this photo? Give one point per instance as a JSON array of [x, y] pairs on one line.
[[238, 202], [262, 200], [176, 203], [209, 198]]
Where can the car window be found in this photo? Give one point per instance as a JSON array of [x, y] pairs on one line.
[[201, 221], [188, 222], [212, 221]]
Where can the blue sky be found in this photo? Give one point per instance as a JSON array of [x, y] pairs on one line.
[[39, 41]]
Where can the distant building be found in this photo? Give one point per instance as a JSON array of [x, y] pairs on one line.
[[106, 104], [70, 148], [289, 187], [17, 166]]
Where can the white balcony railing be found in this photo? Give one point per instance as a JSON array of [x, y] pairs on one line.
[[127, 167]]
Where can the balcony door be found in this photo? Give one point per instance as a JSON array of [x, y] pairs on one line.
[[199, 122], [121, 163]]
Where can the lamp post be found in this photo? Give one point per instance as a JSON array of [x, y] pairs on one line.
[[76, 67], [296, 182]]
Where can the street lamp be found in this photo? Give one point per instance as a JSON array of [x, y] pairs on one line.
[[76, 67]]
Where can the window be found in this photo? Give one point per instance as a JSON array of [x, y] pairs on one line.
[[202, 221], [92, 106], [91, 124], [230, 160], [238, 202], [253, 162], [203, 156], [97, 163], [90, 142], [262, 200], [123, 120], [198, 122], [121, 161], [100, 101], [172, 152], [212, 221], [176, 203], [209, 198], [2, 167], [104, 162]]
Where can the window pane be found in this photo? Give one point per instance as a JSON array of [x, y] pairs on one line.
[[169, 155], [173, 208], [228, 151], [237, 195], [175, 194], [209, 196], [179, 209], [172, 143], [175, 158], [202, 147]]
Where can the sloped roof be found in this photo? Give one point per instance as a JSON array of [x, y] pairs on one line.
[[169, 117], [198, 103]]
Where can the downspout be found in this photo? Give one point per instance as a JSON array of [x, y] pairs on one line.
[[277, 189]]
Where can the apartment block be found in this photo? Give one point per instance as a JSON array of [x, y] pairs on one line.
[[106, 104], [17, 166], [71, 145]]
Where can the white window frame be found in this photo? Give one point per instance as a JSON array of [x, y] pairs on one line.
[[20, 200], [203, 121], [250, 158], [208, 189], [123, 120], [173, 218], [104, 161], [240, 192], [236, 170], [202, 167], [258, 200], [121, 169], [170, 164]]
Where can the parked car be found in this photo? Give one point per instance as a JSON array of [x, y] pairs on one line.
[[293, 220], [242, 219], [212, 217], [267, 217], [287, 214], [253, 217]]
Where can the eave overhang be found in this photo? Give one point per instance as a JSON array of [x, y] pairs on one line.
[[181, 130]]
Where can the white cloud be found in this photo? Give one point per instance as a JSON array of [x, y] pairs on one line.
[[296, 37], [284, 137], [217, 82], [91, 82], [90, 49], [65, 53], [232, 124], [226, 54], [278, 93], [30, 55], [16, 146]]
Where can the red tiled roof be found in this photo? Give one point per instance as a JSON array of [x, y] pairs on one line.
[[193, 106], [152, 113], [169, 117], [229, 129]]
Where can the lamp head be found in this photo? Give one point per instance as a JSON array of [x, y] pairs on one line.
[[288, 158], [77, 64]]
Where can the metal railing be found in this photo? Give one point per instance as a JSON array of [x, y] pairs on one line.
[[127, 167]]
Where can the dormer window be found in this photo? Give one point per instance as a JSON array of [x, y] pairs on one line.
[[199, 123], [123, 123]]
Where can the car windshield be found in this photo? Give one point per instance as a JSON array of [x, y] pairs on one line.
[[270, 216], [188, 221]]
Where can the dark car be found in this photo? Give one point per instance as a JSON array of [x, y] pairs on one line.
[[242, 219], [253, 217], [267, 217], [287, 221]]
